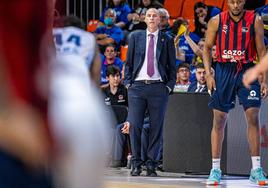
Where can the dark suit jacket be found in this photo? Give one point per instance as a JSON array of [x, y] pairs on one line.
[[193, 86], [165, 56]]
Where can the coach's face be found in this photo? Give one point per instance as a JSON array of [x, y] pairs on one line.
[[236, 7], [152, 19]]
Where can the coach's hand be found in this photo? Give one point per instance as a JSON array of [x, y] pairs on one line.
[[210, 83]]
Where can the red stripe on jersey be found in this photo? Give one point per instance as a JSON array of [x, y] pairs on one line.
[[237, 42]]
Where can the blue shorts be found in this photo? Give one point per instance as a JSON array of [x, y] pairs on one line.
[[229, 84]]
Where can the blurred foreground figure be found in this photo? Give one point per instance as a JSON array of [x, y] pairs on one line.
[[24, 139], [252, 74], [80, 121]]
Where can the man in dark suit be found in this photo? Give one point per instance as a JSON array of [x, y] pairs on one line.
[[150, 75], [199, 86]]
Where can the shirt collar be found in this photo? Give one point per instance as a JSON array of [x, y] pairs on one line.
[[154, 33], [198, 85]]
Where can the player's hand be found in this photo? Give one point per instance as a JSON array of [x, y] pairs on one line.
[[264, 90], [210, 83], [125, 128], [249, 76]]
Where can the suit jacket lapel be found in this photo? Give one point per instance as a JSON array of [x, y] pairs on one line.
[[142, 47], [159, 45]]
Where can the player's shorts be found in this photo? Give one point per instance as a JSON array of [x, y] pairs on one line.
[[229, 84]]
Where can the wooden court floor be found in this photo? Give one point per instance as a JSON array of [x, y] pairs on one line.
[[120, 178]]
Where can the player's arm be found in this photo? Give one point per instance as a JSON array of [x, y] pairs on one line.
[[211, 33], [209, 42], [260, 47], [95, 68], [259, 37]]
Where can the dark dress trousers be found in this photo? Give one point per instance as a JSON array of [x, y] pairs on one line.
[[148, 95]]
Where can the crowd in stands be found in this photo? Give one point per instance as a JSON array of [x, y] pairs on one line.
[[118, 20]]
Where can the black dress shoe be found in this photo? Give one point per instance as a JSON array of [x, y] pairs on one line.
[[151, 172], [136, 171]]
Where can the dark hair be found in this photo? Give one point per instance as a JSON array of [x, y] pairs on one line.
[[71, 20], [176, 25], [111, 3], [156, 4], [200, 66], [184, 65], [110, 45], [112, 70], [199, 5], [198, 25]]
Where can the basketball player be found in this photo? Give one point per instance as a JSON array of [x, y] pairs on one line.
[[239, 36], [79, 119]]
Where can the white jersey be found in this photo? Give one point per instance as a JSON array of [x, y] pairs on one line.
[[74, 41], [79, 117]]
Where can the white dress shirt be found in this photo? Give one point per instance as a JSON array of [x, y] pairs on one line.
[[200, 87], [142, 75]]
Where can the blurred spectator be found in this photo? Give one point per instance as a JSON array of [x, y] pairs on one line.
[[263, 12], [115, 93], [198, 50], [136, 17], [109, 58], [164, 17], [214, 54], [121, 9], [199, 86], [110, 33], [183, 78], [253, 4], [202, 14], [185, 42], [121, 136]]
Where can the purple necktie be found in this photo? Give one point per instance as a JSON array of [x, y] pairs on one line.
[[150, 56]]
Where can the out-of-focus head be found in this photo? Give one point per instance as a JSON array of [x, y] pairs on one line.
[[183, 72], [109, 17], [200, 9], [236, 7], [201, 43], [213, 53], [110, 52], [200, 73], [116, 2], [164, 16], [152, 19], [113, 75], [113, 3], [71, 20], [146, 2]]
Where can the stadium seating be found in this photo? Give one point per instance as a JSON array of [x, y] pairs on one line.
[[123, 52], [215, 3], [92, 25], [174, 7], [188, 8]]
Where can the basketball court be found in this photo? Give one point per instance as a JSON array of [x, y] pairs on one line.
[[120, 178]]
